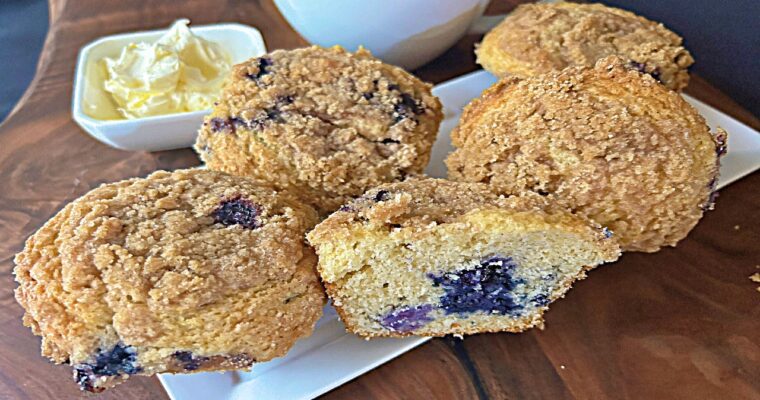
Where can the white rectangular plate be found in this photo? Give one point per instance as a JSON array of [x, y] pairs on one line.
[[331, 357]]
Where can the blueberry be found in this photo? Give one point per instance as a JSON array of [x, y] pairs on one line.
[[487, 287], [263, 65], [117, 361], [607, 233], [237, 211], [540, 300], [382, 195], [390, 141], [218, 124], [287, 99], [188, 360], [346, 208], [407, 319], [655, 73], [712, 187], [721, 148], [371, 94], [273, 113], [637, 66], [226, 125], [84, 377], [641, 68], [183, 356], [408, 107], [710, 203]]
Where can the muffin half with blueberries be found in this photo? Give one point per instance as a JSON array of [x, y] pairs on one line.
[[433, 257], [323, 123], [607, 142], [187, 271], [538, 38]]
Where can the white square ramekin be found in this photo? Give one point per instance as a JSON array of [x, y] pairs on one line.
[[162, 132]]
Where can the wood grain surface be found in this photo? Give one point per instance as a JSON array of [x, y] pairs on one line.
[[681, 323]]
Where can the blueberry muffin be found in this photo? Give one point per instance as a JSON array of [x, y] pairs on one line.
[[323, 123], [433, 257], [187, 271], [607, 142], [540, 38]]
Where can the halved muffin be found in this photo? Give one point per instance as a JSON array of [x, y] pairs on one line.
[[434, 257]]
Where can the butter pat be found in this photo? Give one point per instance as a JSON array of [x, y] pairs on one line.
[[179, 73]]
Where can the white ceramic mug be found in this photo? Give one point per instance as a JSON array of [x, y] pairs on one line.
[[407, 33]]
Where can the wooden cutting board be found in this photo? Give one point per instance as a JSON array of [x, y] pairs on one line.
[[681, 323]]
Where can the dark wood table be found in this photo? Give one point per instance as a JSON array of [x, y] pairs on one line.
[[681, 323]]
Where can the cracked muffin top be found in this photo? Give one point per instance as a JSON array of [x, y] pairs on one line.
[[142, 275], [607, 142], [539, 38], [324, 123]]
